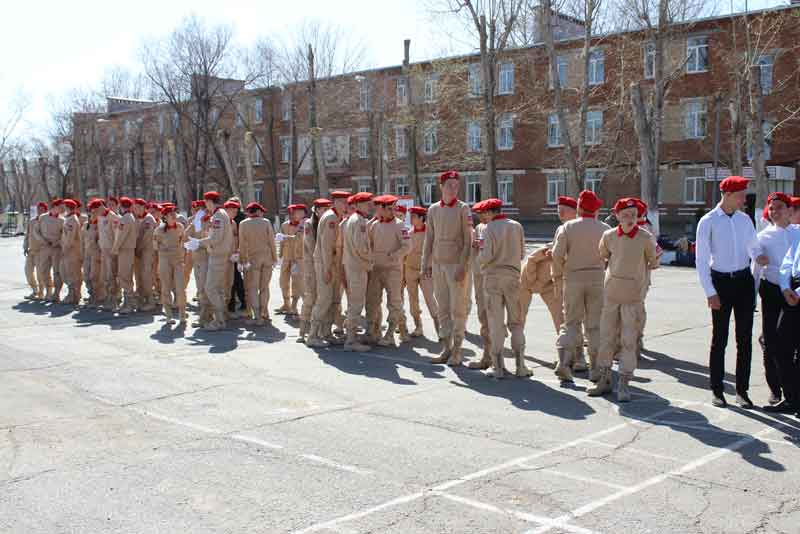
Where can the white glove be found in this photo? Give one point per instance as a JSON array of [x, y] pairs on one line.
[[279, 237], [198, 220], [235, 257], [247, 266], [296, 268], [192, 245], [240, 268]]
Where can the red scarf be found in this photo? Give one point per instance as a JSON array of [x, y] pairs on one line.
[[419, 230], [449, 204], [361, 213], [294, 223], [207, 218], [387, 219], [631, 234], [499, 217], [106, 212], [168, 226]]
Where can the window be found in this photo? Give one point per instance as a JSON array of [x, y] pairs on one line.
[[473, 188], [259, 193], [213, 116], [765, 64], [363, 185], [553, 130], [695, 119], [562, 65], [258, 111], [431, 140], [697, 54], [286, 149], [505, 134], [766, 127], [597, 70], [505, 188], [363, 147], [257, 158], [556, 186], [283, 192], [650, 61], [694, 188], [592, 180], [176, 122], [400, 142], [474, 142], [241, 111], [431, 89], [127, 130], [161, 123], [401, 186], [402, 91], [506, 79], [212, 160], [429, 191], [594, 127], [364, 100], [286, 107], [475, 80]]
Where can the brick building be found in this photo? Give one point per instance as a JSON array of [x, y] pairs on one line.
[[396, 128]]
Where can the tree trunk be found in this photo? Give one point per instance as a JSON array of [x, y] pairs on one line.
[[43, 178], [230, 170], [248, 167], [648, 166], [755, 119], [488, 61], [181, 180], [316, 136], [414, 167]]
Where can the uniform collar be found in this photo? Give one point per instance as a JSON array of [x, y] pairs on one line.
[[449, 204], [361, 213], [630, 234], [294, 223], [387, 219], [499, 217], [419, 230]]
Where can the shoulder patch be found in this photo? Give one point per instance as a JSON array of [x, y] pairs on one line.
[[217, 223], [307, 229], [332, 224]]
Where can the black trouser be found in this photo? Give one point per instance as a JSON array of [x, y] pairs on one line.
[[238, 290], [736, 294], [771, 304], [788, 335]]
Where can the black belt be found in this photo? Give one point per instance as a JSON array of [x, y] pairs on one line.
[[744, 273], [795, 282]]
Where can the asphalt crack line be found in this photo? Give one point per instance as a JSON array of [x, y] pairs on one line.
[[586, 509]]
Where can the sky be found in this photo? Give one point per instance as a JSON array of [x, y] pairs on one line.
[[51, 46]]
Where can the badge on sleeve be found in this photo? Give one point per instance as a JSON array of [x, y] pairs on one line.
[[332, 224], [216, 223], [307, 229], [405, 234]]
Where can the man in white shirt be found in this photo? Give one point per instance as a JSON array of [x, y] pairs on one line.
[[773, 242], [788, 334], [726, 242]]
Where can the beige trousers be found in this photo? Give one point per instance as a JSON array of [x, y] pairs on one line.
[[583, 303], [170, 273], [256, 286], [451, 297], [620, 326], [414, 283]]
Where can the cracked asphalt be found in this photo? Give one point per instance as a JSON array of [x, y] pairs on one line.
[[125, 425]]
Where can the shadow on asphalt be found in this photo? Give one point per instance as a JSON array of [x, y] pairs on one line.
[[685, 372]]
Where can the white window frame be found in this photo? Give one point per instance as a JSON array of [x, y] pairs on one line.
[[286, 107], [594, 127], [364, 96], [562, 71], [161, 123], [283, 193], [554, 135], [286, 149], [431, 89], [696, 57], [474, 136], [505, 78], [258, 110], [766, 68], [401, 148], [363, 185], [258, 159], [472, 188], [402, 91], [649, 61], [428, 188], [430, 139], [695, 119], [505, 188], [241, 113], [213, 116], [505, 133], [593, 180], [363, 147], [698, 184], [258, 192], [475, 80], [597, 69], [556, 186], [401, 187]]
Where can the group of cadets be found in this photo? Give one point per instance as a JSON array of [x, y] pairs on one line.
[[131, 255]]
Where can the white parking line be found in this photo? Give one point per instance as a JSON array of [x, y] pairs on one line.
[[577, 478], [634, 450], [331, 463], [561, 522]]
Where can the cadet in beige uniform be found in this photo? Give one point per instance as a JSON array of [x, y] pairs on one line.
[[198, 229], [502, 248], [414, 281], [125, 250], [146, 224], [49, 235], [220, 246], [536, 278], [445, 256], [327, 268], [389, 242], [357, 260], [291, 254], [107, 225], [91, 255], [477, 282], [310, 226], [31, 247], [71, 253], [257, 256], [578, 269], [188, 261], [631, 253], [168, 240]]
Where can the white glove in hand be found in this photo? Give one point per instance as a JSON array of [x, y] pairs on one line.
[[192, 245], [235, 257]]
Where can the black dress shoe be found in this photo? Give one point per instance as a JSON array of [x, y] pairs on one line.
[[718, 399], [781, 407], [744, 401]]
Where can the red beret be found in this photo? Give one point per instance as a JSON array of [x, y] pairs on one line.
[[125, 202], [783, 197], [492, 204], [625, 203], [57, 202], [70, 204], [232, 204], [478, 207], [340, 194], [254, 206], [166, 210], [448, 175], [642, 205], [77, 202], [322, 203], [212, 196], [733, 184], [568, 201], [94, 204], [140, 202], [588, 201], [385, 200], [359, 198], [294, 207], [41, 207], [112, 198], [418, 210], [198, 203], [401, 208]]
